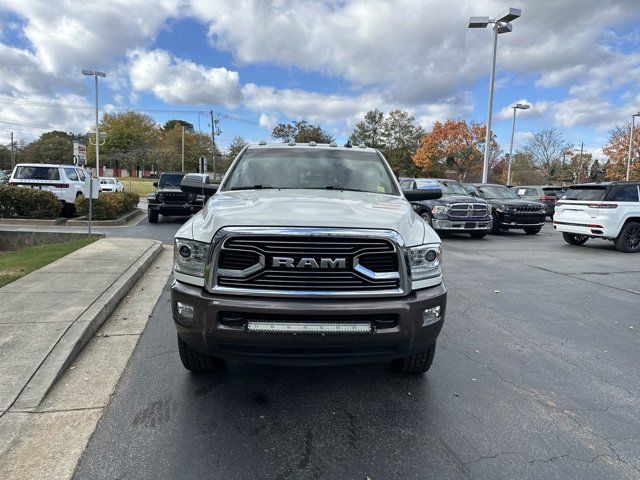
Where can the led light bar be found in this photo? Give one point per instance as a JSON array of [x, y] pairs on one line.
[[309, 327]]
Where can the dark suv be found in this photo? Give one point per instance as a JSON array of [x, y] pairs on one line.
[[509, 211], [547, 195], [168, 199], [455, 212]]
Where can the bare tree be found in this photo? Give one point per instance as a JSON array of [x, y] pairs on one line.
[[546, 149]]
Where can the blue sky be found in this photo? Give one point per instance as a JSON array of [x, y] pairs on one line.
[[577, 62]]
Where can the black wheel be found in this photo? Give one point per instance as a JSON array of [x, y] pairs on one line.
[[426, 216], [197, 361], [478, 235], [574, 239], [629, 239], [495, 225], [532, 230], [416, 363], [153, 216]]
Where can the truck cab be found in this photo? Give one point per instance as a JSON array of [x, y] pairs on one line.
[[307, 254]]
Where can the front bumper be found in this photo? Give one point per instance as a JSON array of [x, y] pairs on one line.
[[462, 225], [175, 208], [220, 326], [515, 220]]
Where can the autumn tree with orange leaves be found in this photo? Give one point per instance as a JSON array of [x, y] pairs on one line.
[[617, 152], [455, 145]]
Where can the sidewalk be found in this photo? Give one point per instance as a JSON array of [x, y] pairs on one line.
[[47, 316]]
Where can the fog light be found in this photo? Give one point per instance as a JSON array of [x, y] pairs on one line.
[[431, 315], [184, 310]]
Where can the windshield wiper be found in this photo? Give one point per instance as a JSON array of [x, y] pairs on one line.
[[346, 189], [252, 187]]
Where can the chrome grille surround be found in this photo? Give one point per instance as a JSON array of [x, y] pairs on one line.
[[465, 210], [401, 279]]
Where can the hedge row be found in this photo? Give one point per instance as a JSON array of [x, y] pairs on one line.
[[28, 203], [109, 206]]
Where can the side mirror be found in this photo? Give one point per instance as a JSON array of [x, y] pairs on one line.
[[155, 184], [198, 183], [422, 194]]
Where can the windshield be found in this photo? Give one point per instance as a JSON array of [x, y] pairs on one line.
[[496, 191], [106, 181], [588, 193], [3, 176], [451, 188], [37, 173], [170, 180], [311, 169]]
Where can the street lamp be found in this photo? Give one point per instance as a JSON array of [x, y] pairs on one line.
[[517, 106], [500, 25], [633, 118], [95, 74]]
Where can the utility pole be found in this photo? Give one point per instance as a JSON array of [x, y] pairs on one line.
[[13, 153], [580, 164], [214, 124], [182, 149]]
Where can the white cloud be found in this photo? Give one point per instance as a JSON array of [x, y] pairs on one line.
[[267, 121], [29, 116], [301, 104], [69, 36], [175, 80]]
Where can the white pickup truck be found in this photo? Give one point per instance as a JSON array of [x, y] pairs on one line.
[[307, 254]]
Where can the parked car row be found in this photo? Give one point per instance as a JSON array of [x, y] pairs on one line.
[[476, 209]]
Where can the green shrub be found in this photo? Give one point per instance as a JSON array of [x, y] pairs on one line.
[[28, 203], [109, 206]]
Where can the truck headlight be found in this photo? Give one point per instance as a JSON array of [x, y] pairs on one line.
[[440, 209], [425, 261], [189, 257]]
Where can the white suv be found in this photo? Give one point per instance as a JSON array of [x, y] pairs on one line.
[[601, 210], [65, 181], [110, 184]]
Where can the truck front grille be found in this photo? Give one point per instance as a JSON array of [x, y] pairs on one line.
[[468, 210], [307, 264], [174, 197], [527, 209]]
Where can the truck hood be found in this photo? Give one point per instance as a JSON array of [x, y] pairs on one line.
[[308, 208]]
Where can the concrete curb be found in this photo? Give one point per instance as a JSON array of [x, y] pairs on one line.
[[80, 332], [32, 221], [123, 220]]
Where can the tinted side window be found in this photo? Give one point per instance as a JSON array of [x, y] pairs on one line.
[[626, 193], [71, 174]]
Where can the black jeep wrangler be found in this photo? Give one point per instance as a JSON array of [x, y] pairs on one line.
[[168, 199], [455, 212]]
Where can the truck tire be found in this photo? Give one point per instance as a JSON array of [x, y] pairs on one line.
[[573, 239], [152, 216], [495, 225], [629, 239], [197, 361], [417, 363], [426, 216], [532, 231]]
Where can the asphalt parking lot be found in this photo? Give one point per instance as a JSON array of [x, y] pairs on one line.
[[535, 376]]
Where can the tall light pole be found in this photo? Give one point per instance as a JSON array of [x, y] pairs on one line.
[[633, 118], [517, 106], [500, 25], [95, 74]]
